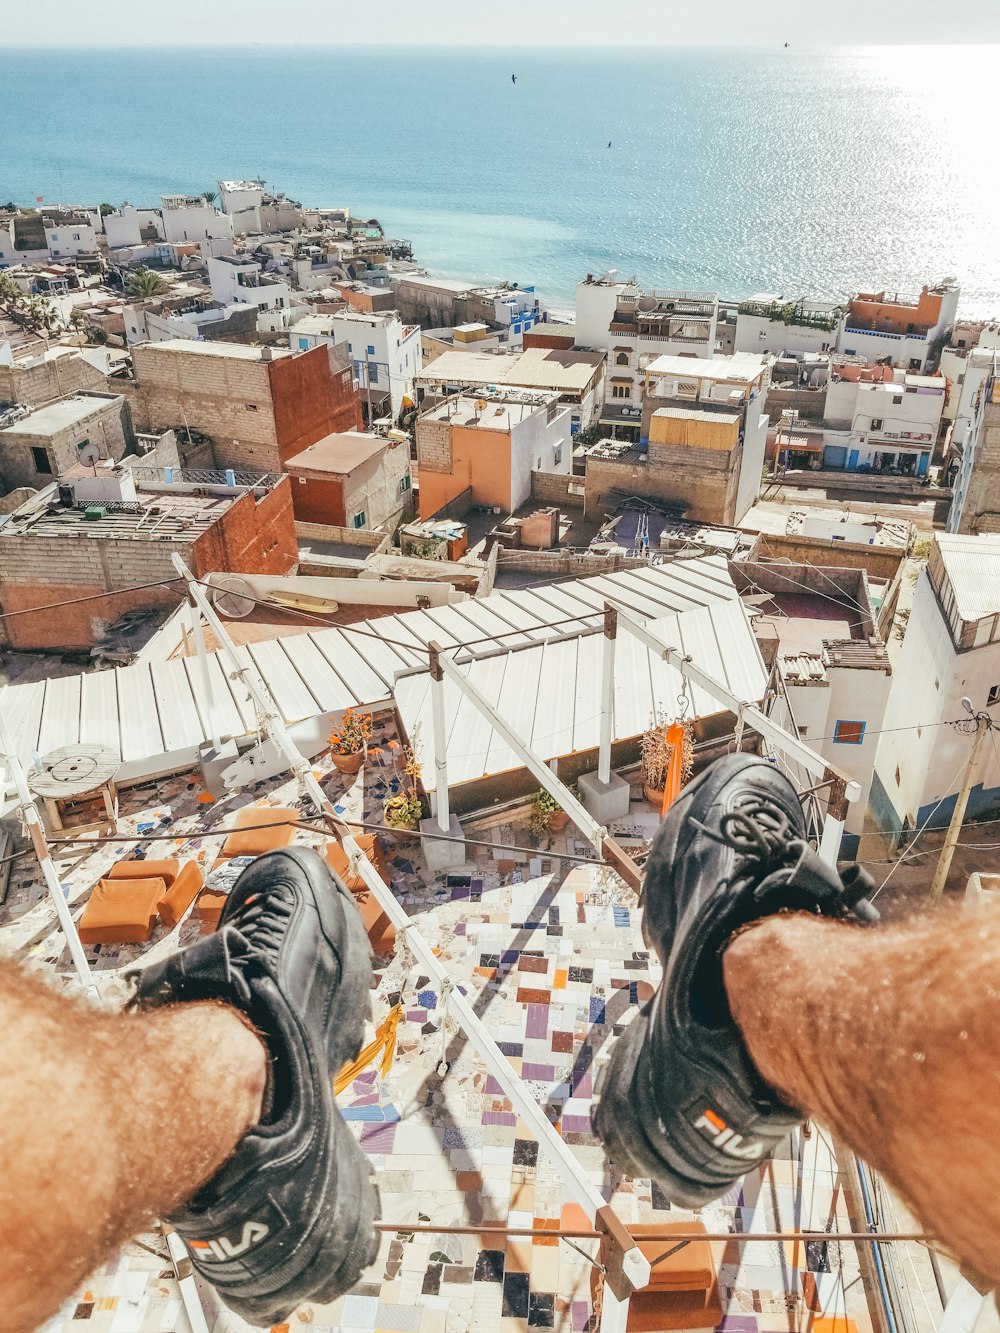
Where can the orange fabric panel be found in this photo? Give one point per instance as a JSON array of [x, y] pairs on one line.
[[181, 894], [691, 1268], [661, 1311], [380, 930], [250, 839], [121, 911], [165, 870]]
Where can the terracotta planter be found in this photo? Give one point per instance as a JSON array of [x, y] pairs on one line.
[[558, 821], [349, 763], [403, 837], [654, 795]]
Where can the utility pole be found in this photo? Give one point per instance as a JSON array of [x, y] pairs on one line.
[[984, 724]]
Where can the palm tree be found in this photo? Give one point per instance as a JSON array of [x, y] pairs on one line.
[[145, 283], [209, 196]]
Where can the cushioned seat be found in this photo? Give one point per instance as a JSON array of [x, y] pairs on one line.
[[165, 870], [121, 911], [180, 894], [249, 839], [209, 909], [380, 930], [683, 1292]]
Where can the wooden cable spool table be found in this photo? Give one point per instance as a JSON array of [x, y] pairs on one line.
[[71, 778]]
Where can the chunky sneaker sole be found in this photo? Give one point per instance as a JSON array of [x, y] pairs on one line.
[[681, 1101], [290, 1217]]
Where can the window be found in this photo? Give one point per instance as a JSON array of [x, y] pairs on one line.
[[557, 455], [621, 391], [876, 423], [993, 697], [371, 350], [404, 484], [897, 398], [41, 461], [360, 519], [251, 407], [303, 344], [373, 372], [621, 359], [849, 733]]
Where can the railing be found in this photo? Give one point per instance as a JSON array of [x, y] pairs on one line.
[[788, 313], [885, 333], [198, 476]]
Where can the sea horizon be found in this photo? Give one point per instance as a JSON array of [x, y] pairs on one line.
[[812, 171]]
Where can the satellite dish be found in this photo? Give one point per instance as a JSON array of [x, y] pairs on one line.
[[647, 303], [89, 454], [232, 597], [481, 404]]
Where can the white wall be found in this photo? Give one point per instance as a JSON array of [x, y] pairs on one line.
[[595, 306], [755, 333], [227, 289], [900, 409], [123, 227], [233, 200], [901, 348], [929, 682], [73, 239], [397, 351], [534, 444], [196, 223]]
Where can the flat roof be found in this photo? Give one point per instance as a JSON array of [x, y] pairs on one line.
[[690, 414], [234, 351], [155, 517], [338, 453], [534, 368], [55, 417], [500, 413], [743, 367]]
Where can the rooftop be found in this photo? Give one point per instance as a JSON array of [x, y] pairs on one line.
[[59, 416], [338, 453], [971, 566], [234, 351], [536, 367], [693, 414], [740, 368], [503, 409]]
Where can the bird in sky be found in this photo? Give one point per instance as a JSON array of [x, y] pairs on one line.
[[609, 143], [513, 78]]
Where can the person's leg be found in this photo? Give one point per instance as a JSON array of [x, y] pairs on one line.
[[891, 1038], [106, 1120]]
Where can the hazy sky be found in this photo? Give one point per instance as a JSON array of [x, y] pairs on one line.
[[506, 23]]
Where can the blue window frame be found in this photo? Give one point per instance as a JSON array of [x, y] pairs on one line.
[[849, 733], [371, 350]]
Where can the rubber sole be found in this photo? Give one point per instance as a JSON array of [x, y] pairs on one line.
[[354, 1206]]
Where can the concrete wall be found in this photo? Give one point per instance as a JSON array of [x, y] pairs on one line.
[[373, 488], [554, 488], [109, 426], [329, 532], [756, 333], [38, 380], [980, 506], [313, 396], [880, 562]]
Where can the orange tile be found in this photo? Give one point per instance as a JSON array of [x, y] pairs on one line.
[[559, 981], [488, 972], [546, 1224], [573, 1218]]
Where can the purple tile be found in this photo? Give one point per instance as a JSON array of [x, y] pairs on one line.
[[576, 1124], [493, 1087], [378, 1139], [416, 1015], [540, 1072], [581, 1316], [583, 1084], [460, 928], [537, 1024], [507, 1118], [738, 1323]]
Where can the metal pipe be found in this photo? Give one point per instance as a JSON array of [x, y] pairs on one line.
[[607, 695], [736, 1238], [29, 813], [441, 802], [634, 1266], [206, 679]]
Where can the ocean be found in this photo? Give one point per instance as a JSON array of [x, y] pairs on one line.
[[786, 170]]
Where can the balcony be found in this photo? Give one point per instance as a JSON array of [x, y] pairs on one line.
[[789, 313]]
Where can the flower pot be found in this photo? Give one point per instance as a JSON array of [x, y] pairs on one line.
[[654, 795], [402, 836], [349, 763], [558, 821]]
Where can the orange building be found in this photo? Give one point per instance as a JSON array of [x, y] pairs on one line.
[[489, 447]]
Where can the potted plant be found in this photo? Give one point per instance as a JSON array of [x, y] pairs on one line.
[[655, 755], [547, 815], [349, 741], [402, 811]]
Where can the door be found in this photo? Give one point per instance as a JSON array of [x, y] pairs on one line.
[[852, 461]]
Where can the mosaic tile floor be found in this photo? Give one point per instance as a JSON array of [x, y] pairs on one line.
[[553, 960]]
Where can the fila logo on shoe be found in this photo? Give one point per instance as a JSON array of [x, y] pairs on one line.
[[223, 1248], [726, 1139]]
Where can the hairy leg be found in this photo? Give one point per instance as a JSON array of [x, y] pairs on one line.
[[106, 1120], [891, 1037]]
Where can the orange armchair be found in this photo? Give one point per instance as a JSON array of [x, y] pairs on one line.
[[380, 930], [121, 911]]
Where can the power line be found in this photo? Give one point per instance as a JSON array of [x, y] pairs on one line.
[[90, 597]]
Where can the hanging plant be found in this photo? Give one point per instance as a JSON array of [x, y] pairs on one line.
[[656, 752]]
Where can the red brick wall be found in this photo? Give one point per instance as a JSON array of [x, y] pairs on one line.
[[254, 537], [319, 501], [69, 627], [539, 338], [311, 399]]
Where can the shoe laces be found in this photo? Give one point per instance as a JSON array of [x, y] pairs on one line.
[[758, 829], [263, 918]]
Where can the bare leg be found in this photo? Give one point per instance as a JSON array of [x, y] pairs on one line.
[[891, 1037], [106, 1120]]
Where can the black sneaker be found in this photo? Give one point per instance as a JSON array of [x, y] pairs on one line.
[[290, 1216], [681, 1101]]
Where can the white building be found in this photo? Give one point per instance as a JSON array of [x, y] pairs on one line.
[[515, 309], [236, 280], [883, 424], [975, 505], [187, 217], [774, 324], [235, 196], [736, 383], [385, 351], [902, 330], [69, 240], [133, 226], [951, 651], [635, 326]]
